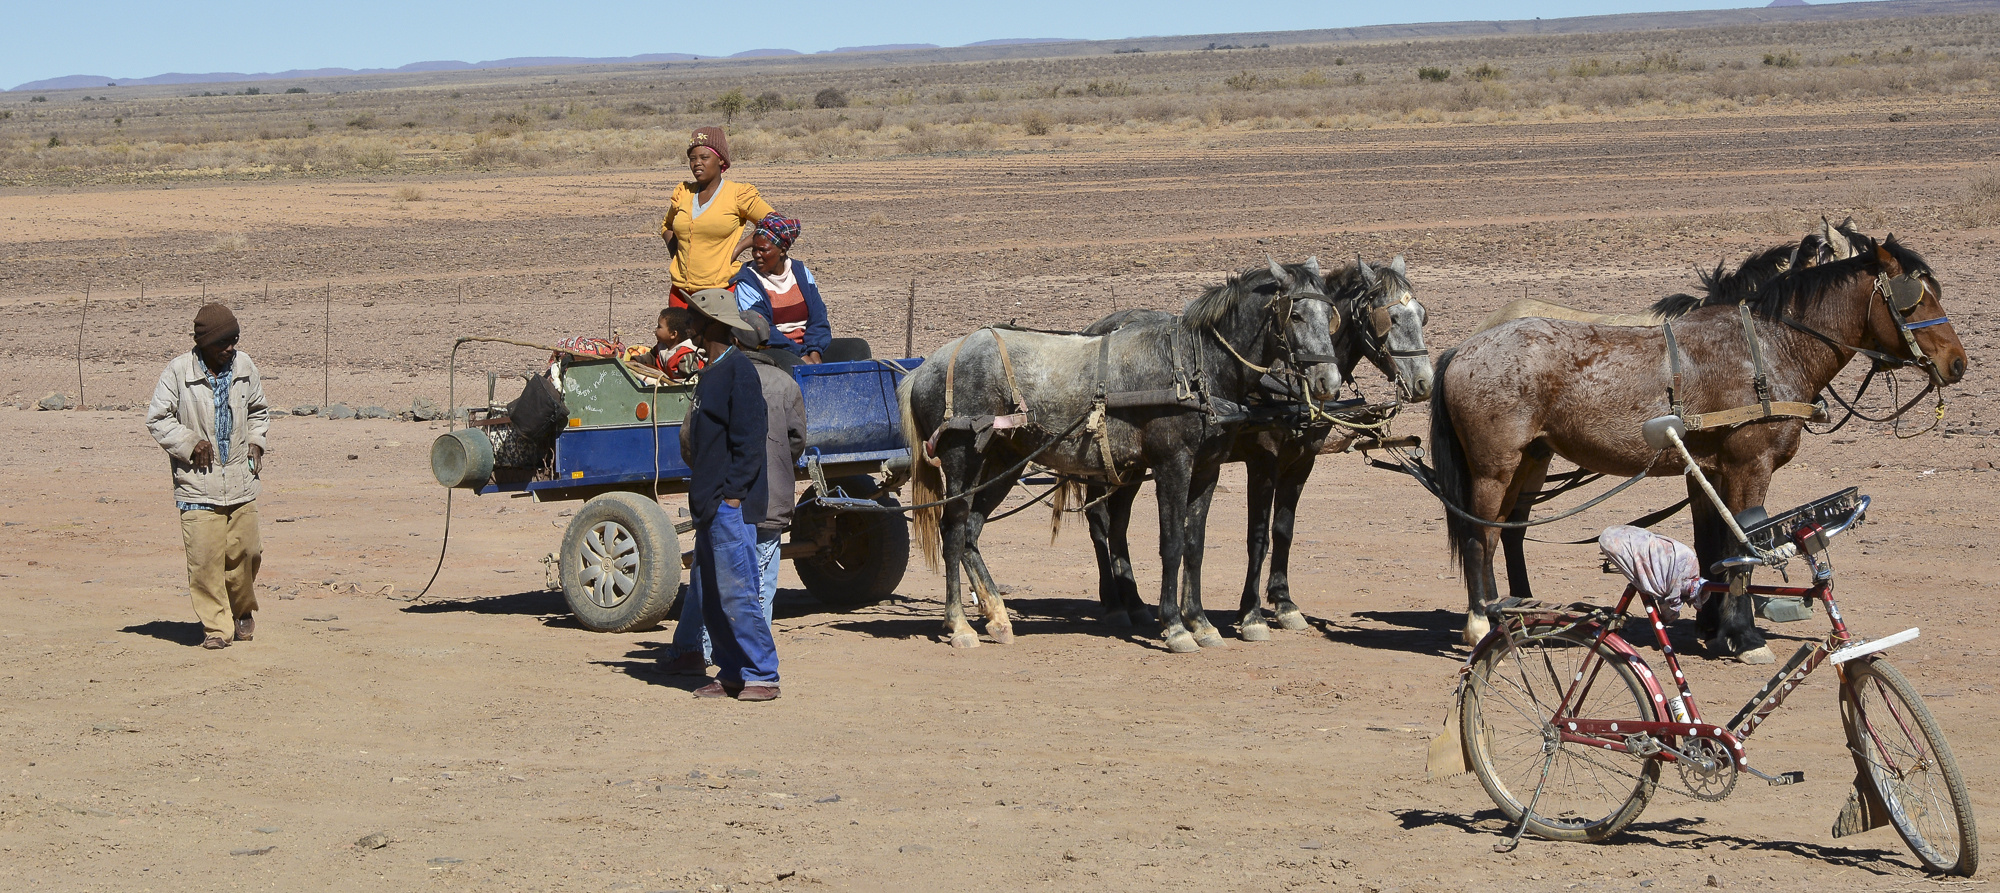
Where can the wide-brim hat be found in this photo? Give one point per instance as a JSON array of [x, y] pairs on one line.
[[719, 305]]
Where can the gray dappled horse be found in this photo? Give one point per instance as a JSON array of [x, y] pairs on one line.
[[1162, 395], [1379, 320], [1510, 397]]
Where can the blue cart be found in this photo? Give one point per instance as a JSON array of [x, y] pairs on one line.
[[616, 447]]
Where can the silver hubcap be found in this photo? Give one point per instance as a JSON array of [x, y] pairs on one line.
[[610, 564]]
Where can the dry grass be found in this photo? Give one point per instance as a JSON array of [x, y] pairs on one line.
[[633, 119]]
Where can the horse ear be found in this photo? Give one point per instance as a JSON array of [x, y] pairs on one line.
[[1397, 266], [1367, 272], [1278, 272], [1312, 266], [1838, 242], [1886, 258]]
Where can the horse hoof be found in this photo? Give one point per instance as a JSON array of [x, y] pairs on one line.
[[965, 640], [1292, 620], [1002, 634], [1212, 640], [1254, 632], [1118, 619], [1182, 643], [1758, 655], [1476, 629]]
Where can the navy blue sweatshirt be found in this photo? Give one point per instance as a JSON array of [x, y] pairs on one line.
[[725, 443]]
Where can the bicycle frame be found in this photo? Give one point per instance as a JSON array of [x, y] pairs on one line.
[[1648, 739]]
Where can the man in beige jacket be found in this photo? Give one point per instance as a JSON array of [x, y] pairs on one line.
[[208, 413]]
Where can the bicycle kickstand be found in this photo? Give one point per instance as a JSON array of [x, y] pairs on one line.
[[1514, 842]]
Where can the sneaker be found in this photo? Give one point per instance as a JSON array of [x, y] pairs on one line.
[[758, 691], [246, 628], [215, 643], [690, 664]]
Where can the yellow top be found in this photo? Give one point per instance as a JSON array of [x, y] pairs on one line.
[[705, 245]]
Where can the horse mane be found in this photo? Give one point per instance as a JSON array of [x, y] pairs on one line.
[[1348, 281], [1217, 302], [1722, 286], [1799, 289]]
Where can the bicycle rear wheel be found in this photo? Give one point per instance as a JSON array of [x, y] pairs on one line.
[[1904, 754], [1506, 705]]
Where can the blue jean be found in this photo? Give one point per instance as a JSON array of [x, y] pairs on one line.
[[690, 633], [725, 602]]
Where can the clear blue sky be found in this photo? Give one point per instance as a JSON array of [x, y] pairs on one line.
[[131, 39]]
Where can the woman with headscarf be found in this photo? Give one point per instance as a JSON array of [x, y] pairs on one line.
[[708, 220], [782, 290]]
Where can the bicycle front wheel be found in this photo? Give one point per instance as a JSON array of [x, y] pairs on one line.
[[1587, 794], [1904, 755]]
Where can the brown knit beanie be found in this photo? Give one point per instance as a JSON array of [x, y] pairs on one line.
[[214, 324], [713, 138]]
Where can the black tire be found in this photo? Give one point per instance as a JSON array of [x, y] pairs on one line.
[[632, 536], [1505, 709], [867, 555], [1901, 751]]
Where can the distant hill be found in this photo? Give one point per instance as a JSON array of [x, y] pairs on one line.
[[880, 48], [1777, 3], [76, 81]]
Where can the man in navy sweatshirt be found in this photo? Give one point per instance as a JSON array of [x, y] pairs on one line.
[[723, 444]]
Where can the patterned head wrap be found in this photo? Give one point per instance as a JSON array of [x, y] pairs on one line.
[[782, 231]]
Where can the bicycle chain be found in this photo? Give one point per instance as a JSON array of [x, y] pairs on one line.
[[1687, 789]]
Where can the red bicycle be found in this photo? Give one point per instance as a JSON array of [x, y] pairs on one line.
[[1569, 729]]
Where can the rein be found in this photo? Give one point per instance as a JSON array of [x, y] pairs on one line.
[[1901, 294]]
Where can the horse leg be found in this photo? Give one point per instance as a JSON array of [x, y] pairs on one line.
[[1490, 498], [1201, 491], [1292, 476], [961, 464], [1170, 484], [1123, 578], [990, 602], [1533, 473], [1261, 468], [1108, 595], [1738, 635]]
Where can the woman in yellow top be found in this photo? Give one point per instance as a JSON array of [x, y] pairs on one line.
[[710, 220]]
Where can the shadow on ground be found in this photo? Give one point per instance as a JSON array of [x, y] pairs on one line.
[[178, 633], [1673, 833], [1433, 632]]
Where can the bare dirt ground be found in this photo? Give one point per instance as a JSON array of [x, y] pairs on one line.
[[497, 745]]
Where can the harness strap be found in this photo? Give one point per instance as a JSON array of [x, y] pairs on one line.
[[1673, 370], [1762, 382], [1774, 409]]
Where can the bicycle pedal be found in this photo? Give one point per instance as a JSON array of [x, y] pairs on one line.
[[1793, 777]]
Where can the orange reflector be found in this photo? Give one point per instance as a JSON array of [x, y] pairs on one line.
[[642, 411], [576, 423], [575, 474]]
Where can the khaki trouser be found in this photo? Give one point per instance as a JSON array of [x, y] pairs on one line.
[[223, 552]]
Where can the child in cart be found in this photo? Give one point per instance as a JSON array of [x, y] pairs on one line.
[[674, 353]]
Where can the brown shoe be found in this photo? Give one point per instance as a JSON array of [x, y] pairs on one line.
[[690, 664], [215, 643], [246, 628], [758, 691], [715, 690]]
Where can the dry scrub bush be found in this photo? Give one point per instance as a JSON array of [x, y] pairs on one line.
[[639, 118]]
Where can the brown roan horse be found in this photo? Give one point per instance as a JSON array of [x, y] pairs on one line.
[[1512, 396]]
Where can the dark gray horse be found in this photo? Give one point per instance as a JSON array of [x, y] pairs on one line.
[[1379, 320], [1163, 395]]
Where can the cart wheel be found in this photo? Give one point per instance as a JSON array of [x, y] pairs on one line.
[[866, 555], [621, 563]]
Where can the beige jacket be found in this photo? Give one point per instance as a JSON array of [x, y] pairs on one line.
[[183, 414]]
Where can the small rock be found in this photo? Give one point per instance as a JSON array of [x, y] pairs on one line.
[[373, 841], [339, 411], [1898, 116], [252, 851], [743, 773], [322, 619], [351, 457], [831, 798], [1712, 881], [267, 830], [374, 412], [306, 409], [113, 727], [424, 409], [443, 860], [913, 848], [1069, 856], [53, 402], [1310, 845]]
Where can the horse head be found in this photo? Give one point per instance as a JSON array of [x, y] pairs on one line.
[[1308, 319], [1388, 326], [1910, 320]]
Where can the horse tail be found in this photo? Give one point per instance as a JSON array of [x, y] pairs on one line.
[[1449, 470], [1067, 492], [926, 480]]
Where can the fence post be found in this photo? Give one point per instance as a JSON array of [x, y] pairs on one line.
[[81, 314], [910, 322], [326, 353]]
